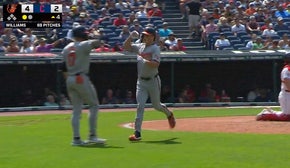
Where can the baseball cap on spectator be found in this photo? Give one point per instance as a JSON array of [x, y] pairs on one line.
[[179, 39], [251, 4], [82, 14], [231, 1], [165, 24], [252, 17], [103, 9], [221, 2], [280, 19], [238, 3], [42, 39], [75, 24], [155, 5]]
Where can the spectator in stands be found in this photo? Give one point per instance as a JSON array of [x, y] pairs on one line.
[[171, 41], [183, 97], [165, 31], [238, 27], [154, 12], [102, 35], [64, 101], [27, 46], [275, 45], [216, 13], [141, 13], [182, 8], [250, 10], [221, 6], [284, 41], [131, 19], [252, 26], [69, 33], [287, 46], [207, 94], [8, 35], [253, 94], [109, 98], [228, 13], [135, 5], [194, 7], [240, 12], [280, 25], [44, 47], [223, 25], [223, 97], [268, 42], [129, 98], [51, 35], [125, 33], [50, 101], [260, 15], [2, 47], [162, 45], [136, 26], [266, 24], [269, 31], [210, 27], [13, 46], [281, 12], [103, 47], [28, 34], [149, 4], [250, 43], [120, 20], [258, 44], [178, 46], [110, 5], [222, 42], [122, 5], [288, 8], [117, 47]]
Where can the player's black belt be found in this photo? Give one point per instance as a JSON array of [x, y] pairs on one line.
[[148, 78], [80, 73]]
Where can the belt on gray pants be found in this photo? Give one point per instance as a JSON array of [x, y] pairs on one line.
[[148, 78], [80, 73]]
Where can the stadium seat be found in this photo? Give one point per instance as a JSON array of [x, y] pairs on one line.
[[282, 32], [233, 42], [228, 48], [237, 46], [241, 33]]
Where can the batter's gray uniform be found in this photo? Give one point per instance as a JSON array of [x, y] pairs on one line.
[[79, 87], [148, 82]]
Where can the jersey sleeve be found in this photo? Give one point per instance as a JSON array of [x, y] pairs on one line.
[[156, 54], [285, 74]]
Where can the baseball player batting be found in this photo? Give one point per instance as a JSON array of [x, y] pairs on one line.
[[284, 97], [148, 82], [80, 88]]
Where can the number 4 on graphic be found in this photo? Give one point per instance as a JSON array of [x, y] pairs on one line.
[[27, 8]]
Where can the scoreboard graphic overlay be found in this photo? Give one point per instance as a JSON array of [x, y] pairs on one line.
[[32, 15]]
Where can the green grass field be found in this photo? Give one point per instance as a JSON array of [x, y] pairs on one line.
[[44, 142]]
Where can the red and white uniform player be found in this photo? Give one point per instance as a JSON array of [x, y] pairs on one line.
[[284, 97]]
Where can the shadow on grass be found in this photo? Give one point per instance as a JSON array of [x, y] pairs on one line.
[[99, 146], [170, 141]]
